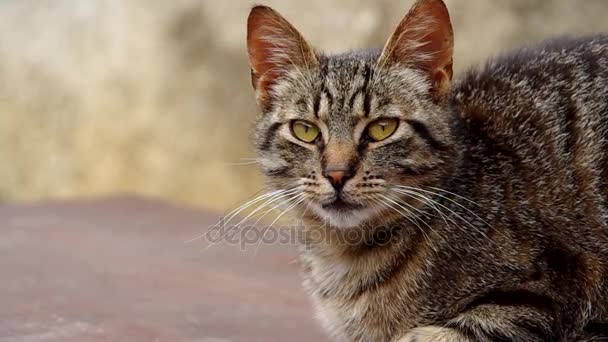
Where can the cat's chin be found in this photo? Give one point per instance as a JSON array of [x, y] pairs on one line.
[[344, 218]]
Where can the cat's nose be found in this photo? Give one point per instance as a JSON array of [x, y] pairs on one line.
[[338, 174]]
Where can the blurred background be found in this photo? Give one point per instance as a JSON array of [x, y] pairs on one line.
[[153, 97]]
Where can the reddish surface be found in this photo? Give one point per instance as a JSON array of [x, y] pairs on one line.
[[120, 270]]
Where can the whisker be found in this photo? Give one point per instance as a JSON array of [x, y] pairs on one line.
[[455, 195], [432, 203], [271, 198], [288, 200], [409, 205], [242, 208], [305, 210], [243, 163], [454, 202], [409, 191], [378, 206], [298, 199], [418, 210], [427, 201], [407, 216], [236, 211]]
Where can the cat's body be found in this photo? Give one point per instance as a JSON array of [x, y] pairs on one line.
[[482, 215], [534, 125]]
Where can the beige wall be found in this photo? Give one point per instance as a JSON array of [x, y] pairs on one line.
[[151, 96]]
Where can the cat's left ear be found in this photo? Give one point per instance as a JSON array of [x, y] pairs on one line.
[[424, 40], [275, 47]]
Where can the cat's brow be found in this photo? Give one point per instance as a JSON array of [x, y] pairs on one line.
[[326, 101]]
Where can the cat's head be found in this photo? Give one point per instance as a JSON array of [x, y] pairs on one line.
[[344, 136]]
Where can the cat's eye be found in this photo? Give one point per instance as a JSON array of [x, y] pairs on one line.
[[382, 128], [304, 131]]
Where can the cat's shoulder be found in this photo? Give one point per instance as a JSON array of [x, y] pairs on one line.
[[547, 56], [533, 74]]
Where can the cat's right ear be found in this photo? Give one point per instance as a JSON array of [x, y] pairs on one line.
[[275, 47], [424, 40]]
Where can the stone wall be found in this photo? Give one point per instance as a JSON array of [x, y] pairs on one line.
[[154, 96]]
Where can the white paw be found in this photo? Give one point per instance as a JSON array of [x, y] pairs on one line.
[[432, 334]]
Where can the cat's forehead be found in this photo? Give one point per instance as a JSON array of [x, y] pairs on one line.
[[343, 71], [346, 86]]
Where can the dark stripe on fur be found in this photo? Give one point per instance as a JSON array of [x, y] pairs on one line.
[[424, 133], [270, 134], [278, 172], [517, 298]]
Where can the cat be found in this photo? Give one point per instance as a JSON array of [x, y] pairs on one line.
[[480, 203]]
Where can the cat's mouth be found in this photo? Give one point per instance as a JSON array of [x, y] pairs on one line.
[[343, 214], [339, 205]]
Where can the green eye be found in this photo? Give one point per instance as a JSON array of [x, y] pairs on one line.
[[382, 128], [304, 131]]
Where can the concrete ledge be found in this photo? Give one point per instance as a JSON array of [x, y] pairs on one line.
[[119, 270]]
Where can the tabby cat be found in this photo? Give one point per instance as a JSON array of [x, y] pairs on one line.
[[481, 203]]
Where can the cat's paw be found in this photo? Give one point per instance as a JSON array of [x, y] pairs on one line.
[[433, 334]]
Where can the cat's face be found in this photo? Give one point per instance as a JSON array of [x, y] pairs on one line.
[[344, 136]]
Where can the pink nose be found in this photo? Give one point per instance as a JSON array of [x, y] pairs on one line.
[[337, 175]]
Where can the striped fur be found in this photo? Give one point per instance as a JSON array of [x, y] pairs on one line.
[[483, 218]]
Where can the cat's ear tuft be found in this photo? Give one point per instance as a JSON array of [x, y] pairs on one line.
[[424, 39], [274, 47]]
